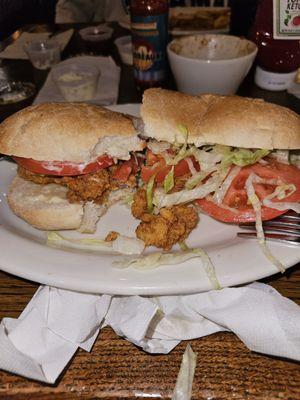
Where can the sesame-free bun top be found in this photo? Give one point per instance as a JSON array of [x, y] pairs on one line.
[[61, 131], [212, 119]]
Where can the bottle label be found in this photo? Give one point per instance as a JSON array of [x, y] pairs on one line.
[[286, 19], [149, 41]]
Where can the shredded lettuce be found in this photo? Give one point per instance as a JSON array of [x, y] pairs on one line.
[[55, 239], [281, 156], [122, 245], [254, 200], [282, 192], [128, 245], [169, 180], [191, 166], [199, 177], [243, 157], [184, 382], [149, 193], [222, 190], [158, 147], [153, 260], [182, 153], [207, 159], [124, 196], [160, 199]]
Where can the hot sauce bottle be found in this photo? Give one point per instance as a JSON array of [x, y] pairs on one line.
[[149, 27], [276, 31]]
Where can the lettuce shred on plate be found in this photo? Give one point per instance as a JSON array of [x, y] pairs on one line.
[[254, 200], [153, 260], [122, 244], [185, 377]]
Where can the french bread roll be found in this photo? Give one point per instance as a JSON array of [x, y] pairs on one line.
[[212, 119], [64, 132]]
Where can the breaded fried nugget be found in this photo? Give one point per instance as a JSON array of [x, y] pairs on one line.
[[170, 226], [36, 178], [139, 205], [87, 187]]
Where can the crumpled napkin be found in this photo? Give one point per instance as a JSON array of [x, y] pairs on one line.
[[56, 322], [108, 83], [16, 49]]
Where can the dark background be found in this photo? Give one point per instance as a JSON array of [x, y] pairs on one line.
[[16, 13]]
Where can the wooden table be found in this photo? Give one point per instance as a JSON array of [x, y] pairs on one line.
[[115, 368]]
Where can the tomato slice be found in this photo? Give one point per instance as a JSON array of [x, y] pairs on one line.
[[63, 168], [125, 169], [236, 196], [162, 170]]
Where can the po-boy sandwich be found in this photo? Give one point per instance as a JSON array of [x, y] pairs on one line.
[[73, 160], [236, 158]]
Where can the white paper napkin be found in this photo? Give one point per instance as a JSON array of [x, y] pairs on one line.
[[56, 322], [16, 49], [108, 84]]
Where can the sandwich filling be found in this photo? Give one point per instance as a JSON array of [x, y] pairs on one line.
[[93, 183], [230, 184]]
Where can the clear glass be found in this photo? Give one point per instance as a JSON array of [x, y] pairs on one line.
[[43, 54], [76, 83]]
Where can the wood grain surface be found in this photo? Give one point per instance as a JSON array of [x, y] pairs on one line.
[[116, 369]]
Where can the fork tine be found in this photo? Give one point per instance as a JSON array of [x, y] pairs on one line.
[[290, 215], [290, 239], [276, 224], [285, 228], [275, 229]]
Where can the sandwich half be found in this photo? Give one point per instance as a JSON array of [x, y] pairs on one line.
[[236, 158], [73, 160]]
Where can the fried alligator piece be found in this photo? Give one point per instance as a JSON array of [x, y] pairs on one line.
[[87, 187], [36, 178], [172, 225]]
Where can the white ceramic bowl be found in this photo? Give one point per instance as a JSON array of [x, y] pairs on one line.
[[210, 63]]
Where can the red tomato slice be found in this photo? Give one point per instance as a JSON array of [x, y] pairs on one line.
[[162, 170], [63, 168], [152, 158], [236, 196], [125, 169]]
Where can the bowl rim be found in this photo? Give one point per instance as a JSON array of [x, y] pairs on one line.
[[225, 60]]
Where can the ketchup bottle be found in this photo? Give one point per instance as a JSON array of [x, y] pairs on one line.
[[276, 31], [149, 27]]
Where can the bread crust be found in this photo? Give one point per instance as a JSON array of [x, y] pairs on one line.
[[43, 206], [60, 131], [212, 119]]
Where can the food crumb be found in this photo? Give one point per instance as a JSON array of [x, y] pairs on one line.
[[112, 235]]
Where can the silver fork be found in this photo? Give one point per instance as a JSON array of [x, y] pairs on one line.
[[285, 228]]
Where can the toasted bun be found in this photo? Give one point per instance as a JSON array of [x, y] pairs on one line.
[[61, 131], [43, 206], [212, 119]]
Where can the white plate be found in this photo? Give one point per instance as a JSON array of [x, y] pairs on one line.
[[24, 253]]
